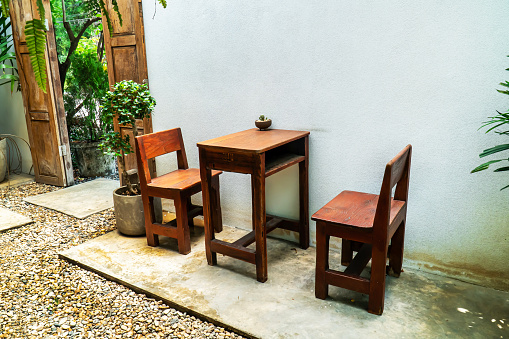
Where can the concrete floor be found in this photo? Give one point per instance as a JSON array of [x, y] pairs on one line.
[[417, 305], [81, 200], [10, 219], [14, 180]]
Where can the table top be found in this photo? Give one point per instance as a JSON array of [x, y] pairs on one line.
[[252, 140]]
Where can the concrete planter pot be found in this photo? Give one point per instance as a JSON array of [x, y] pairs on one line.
[[128, 212], [91, 161], [3, 158]]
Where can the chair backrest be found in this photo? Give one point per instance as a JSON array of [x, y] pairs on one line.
[[152, 145], [397, 173]]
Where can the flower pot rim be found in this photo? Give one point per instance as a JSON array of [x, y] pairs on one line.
[[119, 189]]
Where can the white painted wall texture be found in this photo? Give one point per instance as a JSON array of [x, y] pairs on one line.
[[365, 78]]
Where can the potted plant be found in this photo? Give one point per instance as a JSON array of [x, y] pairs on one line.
[[127, 102], [263, 122]]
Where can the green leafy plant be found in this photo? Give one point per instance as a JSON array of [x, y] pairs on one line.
[[9, 72], [35, 35], [127, 102], [86, 83], [75, 21], [263, 118], [501, 119], [35, 32]]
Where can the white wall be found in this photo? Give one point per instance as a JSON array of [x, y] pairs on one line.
[[366, 78], [12, 121]]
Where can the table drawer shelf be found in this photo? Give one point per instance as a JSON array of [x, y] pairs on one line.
[[281, 162]]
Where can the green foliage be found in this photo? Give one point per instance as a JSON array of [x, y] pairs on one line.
[[35, 32], [501, 119], [76, 12], [263, 118], [4, 6], [86, 83], [40, 9], [115, 145], [35, 35], [128, 101], [9, 71]]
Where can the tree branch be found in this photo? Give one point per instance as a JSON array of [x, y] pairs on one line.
[[69, 31], [100, 47], [64, 66]]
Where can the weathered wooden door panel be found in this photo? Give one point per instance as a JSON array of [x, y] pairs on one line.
[[130, 159], [44, 112], [126, 63], [125, 54]]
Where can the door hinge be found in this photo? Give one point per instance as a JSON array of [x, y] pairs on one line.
[[62, 150]]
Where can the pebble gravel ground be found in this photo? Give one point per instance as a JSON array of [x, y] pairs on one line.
[[42, 296]]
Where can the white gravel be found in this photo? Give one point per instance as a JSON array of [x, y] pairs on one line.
[[42, 296]]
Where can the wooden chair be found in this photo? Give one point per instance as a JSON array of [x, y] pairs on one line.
[[178, 185], [367, 223]]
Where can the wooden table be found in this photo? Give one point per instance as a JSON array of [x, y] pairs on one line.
[[260, 154]]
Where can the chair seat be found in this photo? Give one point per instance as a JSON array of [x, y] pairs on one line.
[[179, 179], [354, 209]]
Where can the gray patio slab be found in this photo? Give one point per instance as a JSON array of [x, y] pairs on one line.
[[10, 219], [81, 200], [14, 180], [417, 305]]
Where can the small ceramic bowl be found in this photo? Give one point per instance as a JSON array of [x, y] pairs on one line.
[[263, 125]]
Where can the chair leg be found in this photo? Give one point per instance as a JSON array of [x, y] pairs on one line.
[[322, 261], [183, 234], [377, 279], [346, 252], [396, 252], [152, 238]]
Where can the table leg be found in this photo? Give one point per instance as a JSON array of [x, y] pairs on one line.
[[304, 199], [206, 187], [217, 218], [259, 218]]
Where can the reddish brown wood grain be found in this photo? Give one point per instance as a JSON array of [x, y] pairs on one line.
[[178, 185], [260, 154], [374, 220], [252, 140]]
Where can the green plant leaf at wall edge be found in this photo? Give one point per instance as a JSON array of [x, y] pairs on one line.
[[493, 150], [502, 169], [484, 166]]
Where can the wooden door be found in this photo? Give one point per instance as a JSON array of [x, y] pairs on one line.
[[44, 112], [125, 54]]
